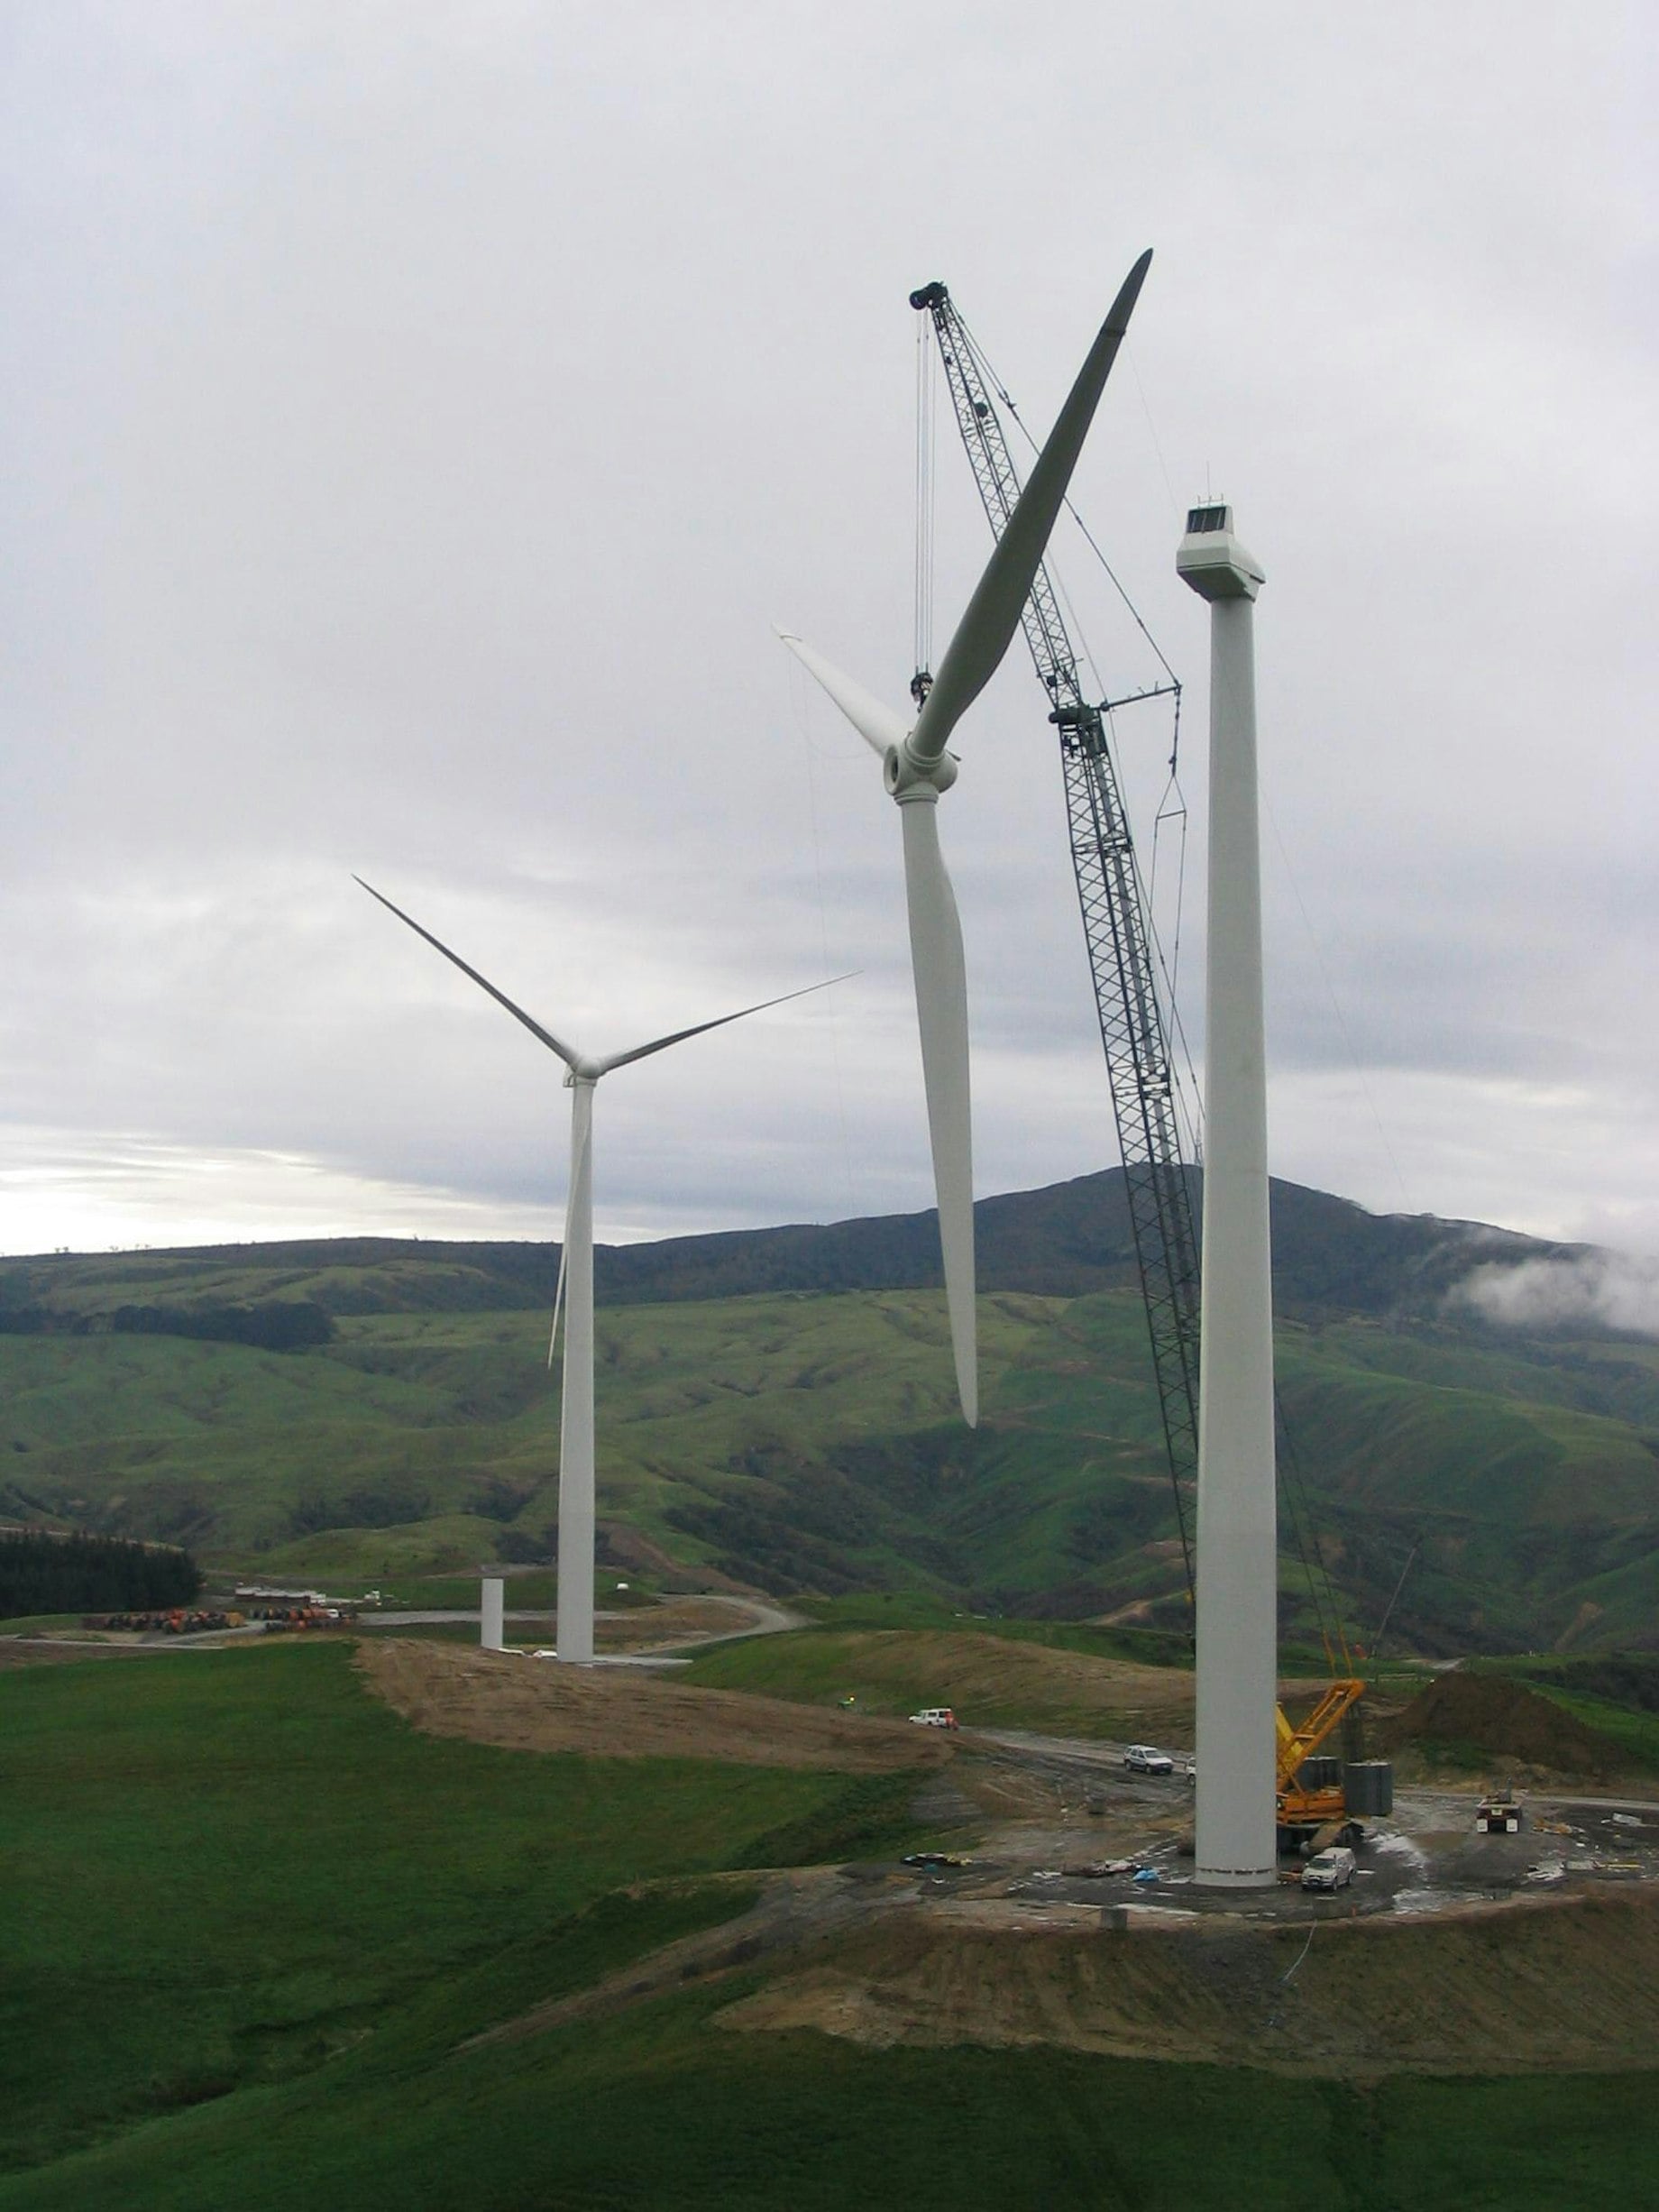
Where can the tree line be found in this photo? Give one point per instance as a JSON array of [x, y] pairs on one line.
[[41, 1573], [285, 1325]]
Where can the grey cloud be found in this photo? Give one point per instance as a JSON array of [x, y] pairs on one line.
[[407, 480]]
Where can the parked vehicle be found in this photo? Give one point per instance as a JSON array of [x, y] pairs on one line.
[[1331, 1869], [1143, 1759], [1499, 1814], [934, 1716]]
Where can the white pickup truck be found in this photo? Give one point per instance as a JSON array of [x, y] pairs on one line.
[[1331, 1869], [1142, 1758]]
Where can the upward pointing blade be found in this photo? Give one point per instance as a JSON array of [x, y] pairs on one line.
[[982, 635], [941, 1015], [567, 1053]]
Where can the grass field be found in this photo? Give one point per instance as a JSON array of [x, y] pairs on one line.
[[223, 1867], [661, 2110], [251, 1921]]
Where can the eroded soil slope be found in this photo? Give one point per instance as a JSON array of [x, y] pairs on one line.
[[1543, 1987], [537, 1706]]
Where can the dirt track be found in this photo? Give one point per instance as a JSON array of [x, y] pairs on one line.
[[537, 1706]]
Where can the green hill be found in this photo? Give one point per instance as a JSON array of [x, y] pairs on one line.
[[800, 1434], [268, 1946]]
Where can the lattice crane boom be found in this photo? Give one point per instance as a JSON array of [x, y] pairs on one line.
[[1115, 928]]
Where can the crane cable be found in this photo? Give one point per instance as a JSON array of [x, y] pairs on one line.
[[1168, 969], [926, 444], [1006, 396]]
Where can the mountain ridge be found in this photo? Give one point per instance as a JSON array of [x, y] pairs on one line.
[[1062, 1240]]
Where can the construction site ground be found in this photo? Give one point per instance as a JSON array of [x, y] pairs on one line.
[[1451, 1950]]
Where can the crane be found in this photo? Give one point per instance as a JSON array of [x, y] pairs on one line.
[[1309, 1790], [1118, 932]]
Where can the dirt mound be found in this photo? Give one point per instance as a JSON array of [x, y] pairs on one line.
[[1571, 1985], [1514, 1723], [624, 1712]]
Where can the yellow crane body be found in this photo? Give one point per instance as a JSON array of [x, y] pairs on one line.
[[1301, 1809]]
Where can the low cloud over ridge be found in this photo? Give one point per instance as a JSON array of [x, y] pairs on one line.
[[1605, 1289]]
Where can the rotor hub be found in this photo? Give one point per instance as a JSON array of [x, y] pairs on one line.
[[910, 780]]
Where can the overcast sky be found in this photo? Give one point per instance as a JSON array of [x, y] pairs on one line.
[[417, 416]]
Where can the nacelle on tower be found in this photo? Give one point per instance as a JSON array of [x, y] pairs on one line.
[[1211, 560]]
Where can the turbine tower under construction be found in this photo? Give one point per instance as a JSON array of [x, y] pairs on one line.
[[1237, 1544]]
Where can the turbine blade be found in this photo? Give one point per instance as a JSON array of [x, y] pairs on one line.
[[941, 1015], [993, 615], [661, 1044], [567, 1053], [577, 1167], [876, 723], [558, 1289]]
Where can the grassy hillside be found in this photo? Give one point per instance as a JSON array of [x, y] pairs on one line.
[[803, 1436], [807, 1443], [225, 1869], [253, 1925]]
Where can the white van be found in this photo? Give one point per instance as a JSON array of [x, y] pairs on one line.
[[1331, 1869], [934, 1716]]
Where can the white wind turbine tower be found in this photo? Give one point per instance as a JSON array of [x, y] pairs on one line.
[[1238, 1554], [917, 768], [574, 1637]]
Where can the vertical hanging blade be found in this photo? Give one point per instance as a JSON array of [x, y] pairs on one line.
[[578, 1175], [558, 1296], [942, 1014]]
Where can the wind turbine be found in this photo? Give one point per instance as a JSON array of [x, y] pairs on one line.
[[916, 769], [574, 1637]]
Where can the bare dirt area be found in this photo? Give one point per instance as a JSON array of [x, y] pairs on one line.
[[1531, 1735], [50, 1650], [1549, 1986], [531, 1704]]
